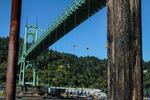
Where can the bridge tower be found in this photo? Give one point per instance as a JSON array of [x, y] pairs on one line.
[[30, 31]]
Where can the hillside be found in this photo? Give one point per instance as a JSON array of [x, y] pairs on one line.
[[62, 69]]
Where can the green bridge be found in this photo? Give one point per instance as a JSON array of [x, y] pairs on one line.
[[74, 15]]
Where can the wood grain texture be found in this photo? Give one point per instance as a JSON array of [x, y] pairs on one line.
[[124, 50]]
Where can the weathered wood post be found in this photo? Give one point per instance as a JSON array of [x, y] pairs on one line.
[[136, 30], [124, 50]]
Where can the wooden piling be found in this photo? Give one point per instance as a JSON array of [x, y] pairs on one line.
[[124, 50]]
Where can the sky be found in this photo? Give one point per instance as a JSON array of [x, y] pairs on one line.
[[91, 33]]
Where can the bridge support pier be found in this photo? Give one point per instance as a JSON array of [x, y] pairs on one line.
[[124, 50], [22, 73], [24, 64], [23, 67]]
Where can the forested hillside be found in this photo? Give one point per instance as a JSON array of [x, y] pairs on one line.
[[62, 69], [3, 58]]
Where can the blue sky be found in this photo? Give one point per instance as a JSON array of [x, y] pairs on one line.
[[91, 33]]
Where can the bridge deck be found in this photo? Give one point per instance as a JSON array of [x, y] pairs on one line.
[[78, 12]]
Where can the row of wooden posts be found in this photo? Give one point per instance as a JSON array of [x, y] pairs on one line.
[[124, 43]]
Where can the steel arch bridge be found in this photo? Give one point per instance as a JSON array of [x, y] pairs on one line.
[[74, 15]]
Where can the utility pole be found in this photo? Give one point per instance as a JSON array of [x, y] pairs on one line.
[[124, 39], [13, 50]]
